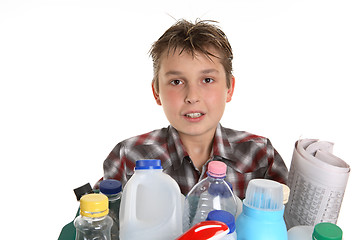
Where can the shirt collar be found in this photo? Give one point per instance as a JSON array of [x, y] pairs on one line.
[[221, 146], [175, 147]]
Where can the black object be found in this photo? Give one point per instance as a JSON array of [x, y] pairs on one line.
[[84, 189]]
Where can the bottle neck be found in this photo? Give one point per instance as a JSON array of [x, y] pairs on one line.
[[113, 197], [213, 178], [93, 218], [148, 171]]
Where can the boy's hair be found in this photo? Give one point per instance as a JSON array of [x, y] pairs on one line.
[[192, 38]]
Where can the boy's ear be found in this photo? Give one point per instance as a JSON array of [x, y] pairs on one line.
[[156, 95], [230, 91]]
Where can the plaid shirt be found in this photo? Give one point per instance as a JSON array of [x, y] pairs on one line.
[[247, 156]]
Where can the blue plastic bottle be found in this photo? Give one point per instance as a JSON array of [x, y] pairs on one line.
[[263, 210], [112, 189]]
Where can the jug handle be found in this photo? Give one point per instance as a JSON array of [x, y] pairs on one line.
[[131, 215]]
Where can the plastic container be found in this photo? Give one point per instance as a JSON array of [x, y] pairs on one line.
[[93, 221], [212, 193], [300, 233], [112, 189], [322, 231], [151, 204], [208, 230], [263, 210], [228, 219]]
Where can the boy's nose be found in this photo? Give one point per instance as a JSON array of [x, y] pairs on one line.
[[192, 95]]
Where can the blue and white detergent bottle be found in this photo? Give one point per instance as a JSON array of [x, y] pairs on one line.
[[262, 217]]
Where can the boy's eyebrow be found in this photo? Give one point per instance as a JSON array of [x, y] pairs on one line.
[[210, 70], [205, 71], [173, 72]]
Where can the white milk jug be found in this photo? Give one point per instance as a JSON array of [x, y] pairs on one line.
[[151, 205]]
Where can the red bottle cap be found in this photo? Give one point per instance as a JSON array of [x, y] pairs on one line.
[[206, 230]]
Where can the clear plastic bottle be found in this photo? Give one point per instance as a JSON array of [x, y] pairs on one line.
[[321, 231], [212, 193], [228, 219], [112, 189], [151, 204], [93, 221]]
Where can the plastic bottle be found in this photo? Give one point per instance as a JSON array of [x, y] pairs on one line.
[[228, 219], [93, 221], [300, 233], [151, 204], [112, 189], [212, 193], [263, 210], [321, 231]]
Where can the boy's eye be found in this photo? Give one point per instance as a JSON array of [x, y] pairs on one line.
[[176, 82], [208, 80]]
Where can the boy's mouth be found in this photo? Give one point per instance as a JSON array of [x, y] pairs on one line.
[[194, 115]]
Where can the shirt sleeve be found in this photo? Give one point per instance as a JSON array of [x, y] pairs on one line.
[[116, 165], [277, 169]]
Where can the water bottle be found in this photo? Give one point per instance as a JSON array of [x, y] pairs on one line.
[[228, 219], [112, 189], [321, 231], [212, 193], [151, 205], [93, 221], [263, 210]]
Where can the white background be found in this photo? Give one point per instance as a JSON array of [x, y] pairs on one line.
[[75, 80]]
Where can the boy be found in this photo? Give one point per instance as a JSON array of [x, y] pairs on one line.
[[193, 81]]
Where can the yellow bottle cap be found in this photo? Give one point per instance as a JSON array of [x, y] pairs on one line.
[[94, 205]]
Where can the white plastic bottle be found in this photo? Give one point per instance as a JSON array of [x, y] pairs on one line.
[[228, 219], [321, 231], [150, 207], [93, 221], [212, 193]]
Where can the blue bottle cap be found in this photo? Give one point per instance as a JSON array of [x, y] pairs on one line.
[[110, 186], [222, 216], [148, 164]]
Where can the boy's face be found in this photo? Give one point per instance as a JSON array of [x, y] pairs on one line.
[[193, 92]]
